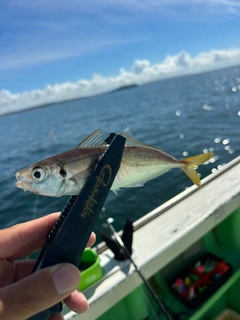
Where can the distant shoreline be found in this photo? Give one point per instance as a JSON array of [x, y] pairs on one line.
[[126, 87]]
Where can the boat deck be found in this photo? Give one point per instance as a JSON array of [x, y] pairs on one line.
[[171, 229]]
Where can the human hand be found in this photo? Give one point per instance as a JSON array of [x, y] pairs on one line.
[[23, 294]]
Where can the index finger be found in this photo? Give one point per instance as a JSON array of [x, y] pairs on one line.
[[24, 236]]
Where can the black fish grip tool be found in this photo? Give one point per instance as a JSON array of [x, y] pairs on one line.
[[68, 238]]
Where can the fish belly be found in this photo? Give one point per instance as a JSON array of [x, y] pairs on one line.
[[136, 177]]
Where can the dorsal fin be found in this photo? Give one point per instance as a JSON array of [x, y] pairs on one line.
[[94, 139], [130, 140]]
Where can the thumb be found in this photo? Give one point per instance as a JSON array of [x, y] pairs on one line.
[[38, 291]]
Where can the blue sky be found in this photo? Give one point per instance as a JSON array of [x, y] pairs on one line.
[[54, 42]]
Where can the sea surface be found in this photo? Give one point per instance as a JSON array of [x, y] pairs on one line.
[[184, 116]]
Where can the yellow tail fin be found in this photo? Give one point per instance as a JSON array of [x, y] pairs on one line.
[[190, 166]]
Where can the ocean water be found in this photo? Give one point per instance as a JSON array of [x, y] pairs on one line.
[[184, 116]]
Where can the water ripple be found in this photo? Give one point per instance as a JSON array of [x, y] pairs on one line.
[[184, 116]]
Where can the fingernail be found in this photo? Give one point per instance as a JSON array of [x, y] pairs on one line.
[[66, 278]]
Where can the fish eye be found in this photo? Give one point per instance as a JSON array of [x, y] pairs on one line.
[[38, 173]]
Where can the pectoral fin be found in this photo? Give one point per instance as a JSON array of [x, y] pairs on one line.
[[76, 182], [81, 177]]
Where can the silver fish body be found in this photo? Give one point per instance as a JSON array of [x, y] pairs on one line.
[[66, 173]]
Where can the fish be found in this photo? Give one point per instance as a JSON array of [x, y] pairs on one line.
[[67, 172]]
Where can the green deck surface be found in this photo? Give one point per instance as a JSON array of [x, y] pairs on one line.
[[223, 241]]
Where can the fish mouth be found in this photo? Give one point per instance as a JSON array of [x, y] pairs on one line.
[[23, 185], [18, 184], [19, 178], [21, 182]]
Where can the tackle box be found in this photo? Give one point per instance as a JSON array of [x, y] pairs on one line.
[[200, 279]]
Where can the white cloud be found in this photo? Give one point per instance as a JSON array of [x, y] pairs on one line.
[[140, 65], [142, 71]]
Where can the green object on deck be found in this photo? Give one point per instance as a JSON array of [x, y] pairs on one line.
[[91, 270]]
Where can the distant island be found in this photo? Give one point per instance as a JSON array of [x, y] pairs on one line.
[[125, 87], [130, 86]]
